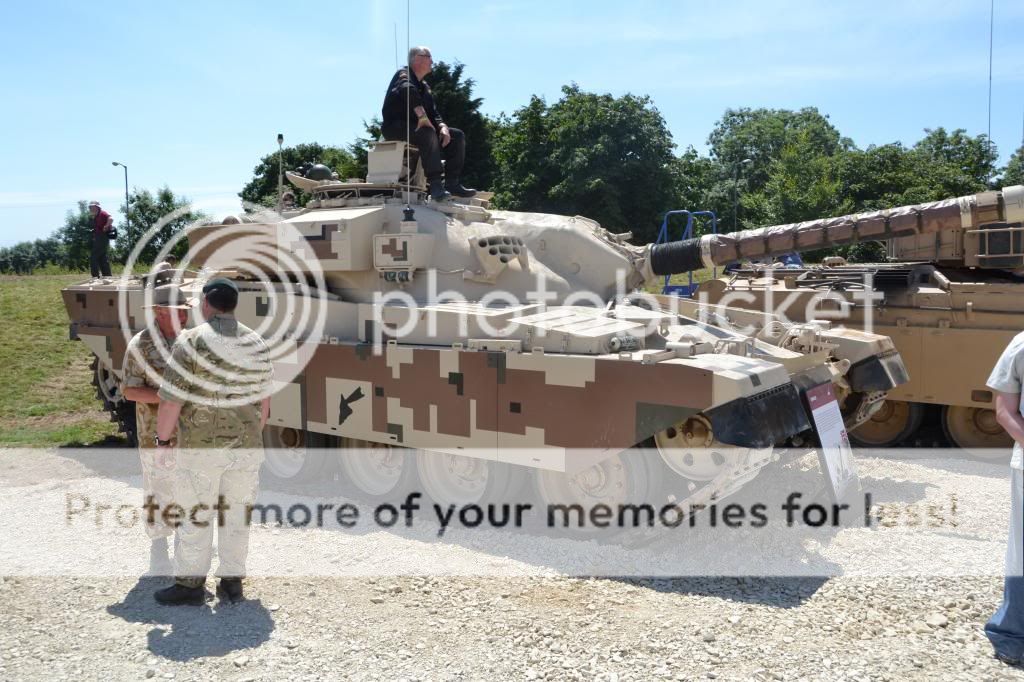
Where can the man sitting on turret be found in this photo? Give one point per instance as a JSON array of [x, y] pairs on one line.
[[409, 114]]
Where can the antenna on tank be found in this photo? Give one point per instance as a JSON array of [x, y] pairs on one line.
[[280, 171], [408, 120], [991, 33]]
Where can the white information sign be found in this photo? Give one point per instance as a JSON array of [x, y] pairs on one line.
[[836, 454]]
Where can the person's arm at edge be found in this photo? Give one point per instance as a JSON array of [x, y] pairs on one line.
[[1008, 415], [264, 412]]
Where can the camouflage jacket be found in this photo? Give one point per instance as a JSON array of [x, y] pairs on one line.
[[220, 372], [144, 364]]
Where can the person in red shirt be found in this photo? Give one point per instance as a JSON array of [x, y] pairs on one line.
[[102, 224]]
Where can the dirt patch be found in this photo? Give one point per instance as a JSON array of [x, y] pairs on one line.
[[51, 421]]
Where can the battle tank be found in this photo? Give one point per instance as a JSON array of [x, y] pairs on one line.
[[423, 371], [951, 299]]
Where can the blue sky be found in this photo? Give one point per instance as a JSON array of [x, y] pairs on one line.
[[192, 94]]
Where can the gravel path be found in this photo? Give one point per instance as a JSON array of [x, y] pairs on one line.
[[510, 617]]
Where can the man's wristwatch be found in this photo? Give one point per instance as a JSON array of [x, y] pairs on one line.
[[161, 443]]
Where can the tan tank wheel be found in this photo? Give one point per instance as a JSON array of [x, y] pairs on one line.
[[892, 423], [458, 480], [376, 471], [626, 478], [976, 430], [690, 449], [294, 455]]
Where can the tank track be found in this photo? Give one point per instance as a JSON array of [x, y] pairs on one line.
[[691, 496], [121, 411]]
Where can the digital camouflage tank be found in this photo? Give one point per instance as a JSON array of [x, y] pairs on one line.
[[951, 299], [471, 350]]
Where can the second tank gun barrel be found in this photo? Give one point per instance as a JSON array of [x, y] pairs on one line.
[[966, 212]]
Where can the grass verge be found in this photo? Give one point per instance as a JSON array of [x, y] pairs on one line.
[[47, 397]]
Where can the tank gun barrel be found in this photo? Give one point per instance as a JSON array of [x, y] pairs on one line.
[[962, 213]]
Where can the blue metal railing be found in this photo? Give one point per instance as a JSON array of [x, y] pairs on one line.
[[686, 290]]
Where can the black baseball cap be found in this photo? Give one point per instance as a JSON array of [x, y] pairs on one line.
[[221, 293]]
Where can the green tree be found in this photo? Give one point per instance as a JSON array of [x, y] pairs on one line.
[[146, 210], [48, 251], [76, 237], [609, 158], [23, 258], [1014, 173], [761, 135], [522, 145], [881, 177], [802, 184], [262, 189], [954, 164], [692, 176]]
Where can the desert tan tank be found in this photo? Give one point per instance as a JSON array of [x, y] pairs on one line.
[[951, 299], [472, 349]]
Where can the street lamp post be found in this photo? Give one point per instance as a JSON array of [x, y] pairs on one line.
[[280, 170], [127, 219], [735, 183]]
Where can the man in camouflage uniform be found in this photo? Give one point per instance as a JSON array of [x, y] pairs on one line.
[[144, 365], [216, 394]]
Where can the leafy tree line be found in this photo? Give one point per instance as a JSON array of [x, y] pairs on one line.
[[613, 159], [69, 246]]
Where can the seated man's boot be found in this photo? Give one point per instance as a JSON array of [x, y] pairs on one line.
[[178, 595], [457, 190], [230, 589], [437, 191]]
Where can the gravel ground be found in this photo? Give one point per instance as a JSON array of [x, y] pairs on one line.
[[509, 617]]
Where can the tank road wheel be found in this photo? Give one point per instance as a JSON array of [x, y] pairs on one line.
[[892, 423], [690, 449], [459, 480], [691, 452], [976, 430], [108, 390], [376, 472], [294, 455], [625, 478]]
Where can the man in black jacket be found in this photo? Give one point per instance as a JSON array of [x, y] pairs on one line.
[[409, 113]]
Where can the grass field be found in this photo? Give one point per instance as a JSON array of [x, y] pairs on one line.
[[46, 394]]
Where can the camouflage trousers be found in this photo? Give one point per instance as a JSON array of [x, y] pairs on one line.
[[157, 493], [216, 489]]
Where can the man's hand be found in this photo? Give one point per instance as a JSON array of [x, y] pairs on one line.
[[424, 122], [1008, 415], [165, 458], [446, 137]]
